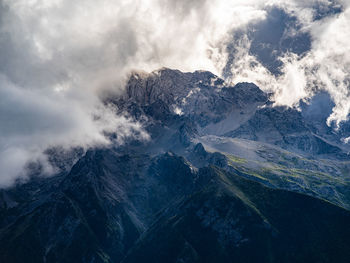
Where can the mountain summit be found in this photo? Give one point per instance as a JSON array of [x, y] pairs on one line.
[[226, 176]]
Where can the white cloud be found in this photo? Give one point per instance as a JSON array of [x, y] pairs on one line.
[[58, 56], [324, 67], [32, 121]]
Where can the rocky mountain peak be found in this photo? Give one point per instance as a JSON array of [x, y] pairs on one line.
[[224, 173]]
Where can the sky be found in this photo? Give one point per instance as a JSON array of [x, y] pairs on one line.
[[59, 57]]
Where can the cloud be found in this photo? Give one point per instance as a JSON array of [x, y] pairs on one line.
[[31, 122], [58, 57], [324, 65]]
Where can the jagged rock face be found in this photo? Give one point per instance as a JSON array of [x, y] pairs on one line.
[[271, 125], [201, 96], [110, 200], [287, 128], [97, 211], [165, 85], [234, 220], [197, 190], [85, 216], [209, 106]]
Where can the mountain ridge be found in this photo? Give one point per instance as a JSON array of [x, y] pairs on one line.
[[224, 171]]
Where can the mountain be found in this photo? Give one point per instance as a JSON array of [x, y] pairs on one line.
[[232, 219], [225, 177]]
